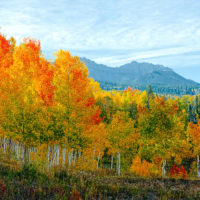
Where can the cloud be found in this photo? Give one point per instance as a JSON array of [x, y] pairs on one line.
[[131, 29]]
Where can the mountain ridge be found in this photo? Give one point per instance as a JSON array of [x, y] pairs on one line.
[[136, 73]]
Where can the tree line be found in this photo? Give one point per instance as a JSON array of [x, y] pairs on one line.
[[53, 114], [178, 90]]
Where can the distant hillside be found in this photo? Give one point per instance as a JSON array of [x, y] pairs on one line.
[[137, 74]]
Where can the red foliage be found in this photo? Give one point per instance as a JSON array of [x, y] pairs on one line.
[[4, 45], [96, 119], [5, 52], [159, 161], [90, 102], [2, 188], [175, 171]]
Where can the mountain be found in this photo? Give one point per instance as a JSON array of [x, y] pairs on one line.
[[136, 73]]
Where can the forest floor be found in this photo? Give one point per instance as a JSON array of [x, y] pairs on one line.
[[28, 183]]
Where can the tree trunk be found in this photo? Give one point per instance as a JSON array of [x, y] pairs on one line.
[[4, 145], [70, 157], [22, 154], [198, 167], [63, 156], [50, 156], [26, 155], [48, 149], [55, 155], [94, 152], [74, 160], [119, 163], [17, 151], [58, 155], [9, 145], [79, 154], [111, 162], [163, 168], [98, 159]]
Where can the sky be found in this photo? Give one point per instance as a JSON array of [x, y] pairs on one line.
[[111, 32]]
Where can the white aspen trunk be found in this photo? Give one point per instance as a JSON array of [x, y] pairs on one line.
[[79, 154], [55, 153], [52, 156], [58, 155], [94, 152], [119, 163], [4, 145], [111, 162], [26, 155], [69, 155], [22, 155], [30, 154], [63, 156], [163, 168], [198, 167], [47, 157], [14, 146], [11, 146], [98, 159], [74, 160], [17, 151]]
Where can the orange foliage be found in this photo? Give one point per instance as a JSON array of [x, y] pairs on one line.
[[160, 101], [35, 69], [141, 168], [194, 131], [32, 44], [44, 82], [142, 109]]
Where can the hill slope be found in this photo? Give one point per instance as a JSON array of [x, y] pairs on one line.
[[135, 73]]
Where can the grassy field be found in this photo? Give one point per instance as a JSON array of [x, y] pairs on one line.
[[28, 183]]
